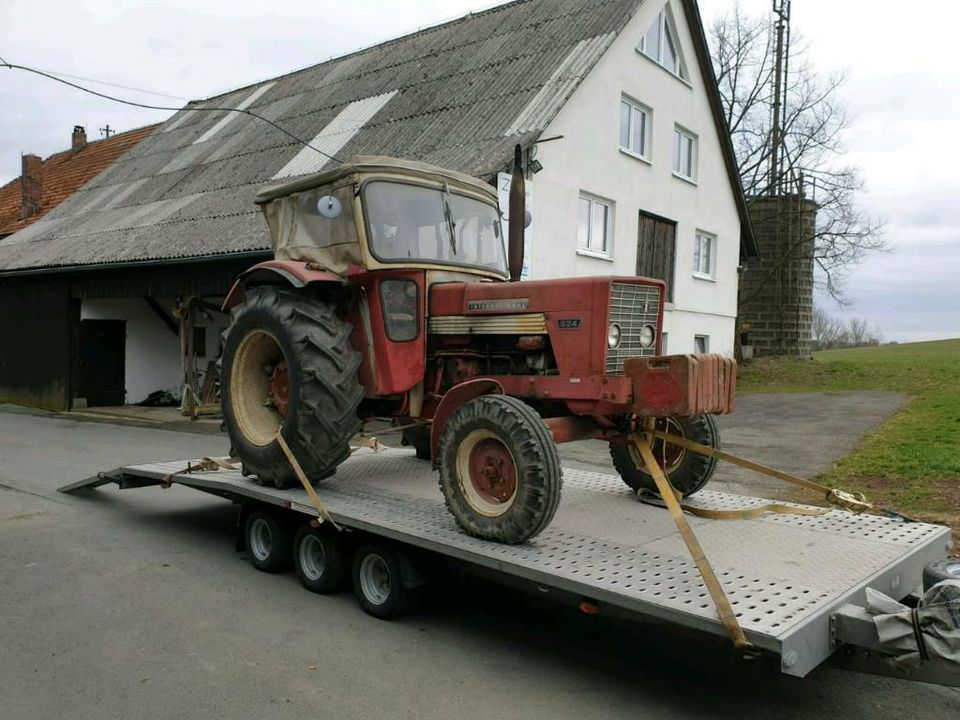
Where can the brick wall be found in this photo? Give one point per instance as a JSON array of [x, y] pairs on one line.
[[776, 289]]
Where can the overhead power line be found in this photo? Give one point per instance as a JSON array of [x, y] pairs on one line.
[[56, 73], [132, 103]]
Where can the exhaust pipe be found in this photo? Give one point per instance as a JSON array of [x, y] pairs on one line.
[[518, 216]]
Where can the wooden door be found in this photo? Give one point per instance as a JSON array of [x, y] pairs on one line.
[[657, 249]]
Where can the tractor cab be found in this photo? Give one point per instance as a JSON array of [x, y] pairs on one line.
[[378, 213]]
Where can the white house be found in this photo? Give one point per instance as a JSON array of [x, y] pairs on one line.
[[639, 183], [640, 178]]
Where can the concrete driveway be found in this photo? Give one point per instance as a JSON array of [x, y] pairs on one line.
[[801, 434], [133, 604]]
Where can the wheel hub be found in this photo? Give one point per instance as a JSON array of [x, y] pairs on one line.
[[492, 471], [668, 455], [280, 388], [259, 387]]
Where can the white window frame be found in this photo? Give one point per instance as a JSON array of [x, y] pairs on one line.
[[682, 134], [588, 246], [663, 342], [667, 26], [706, 343], [635, 108], [701, 270]]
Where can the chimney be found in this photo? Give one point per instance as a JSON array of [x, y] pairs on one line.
[[79, 138], [31, 186]]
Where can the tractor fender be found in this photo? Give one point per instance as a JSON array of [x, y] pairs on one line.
[[295, 273], [453, 399]]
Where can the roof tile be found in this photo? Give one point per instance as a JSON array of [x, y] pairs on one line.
[[63, 174]]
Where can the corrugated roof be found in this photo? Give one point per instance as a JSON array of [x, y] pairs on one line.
[[63, 173], [458, 95]]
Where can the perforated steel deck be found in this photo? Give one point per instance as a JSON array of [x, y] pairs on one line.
[[784, 574]]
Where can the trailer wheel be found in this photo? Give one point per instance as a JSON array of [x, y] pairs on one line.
[[318, 560], [268, 541], [940, 570], [288, 362], [378, 583], [499, 470], [688, 471]]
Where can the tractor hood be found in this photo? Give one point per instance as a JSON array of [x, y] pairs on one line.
[[532, 296], [576, 313]]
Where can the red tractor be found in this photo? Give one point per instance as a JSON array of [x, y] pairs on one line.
[[391, 296]]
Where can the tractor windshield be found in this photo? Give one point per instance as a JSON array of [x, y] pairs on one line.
[[410, 223]]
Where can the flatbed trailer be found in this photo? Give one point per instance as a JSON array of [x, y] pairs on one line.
[[796, 582]]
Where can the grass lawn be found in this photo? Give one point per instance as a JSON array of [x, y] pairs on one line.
[[910, 463]]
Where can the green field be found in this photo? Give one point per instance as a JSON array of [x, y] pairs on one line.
[[912, 461]]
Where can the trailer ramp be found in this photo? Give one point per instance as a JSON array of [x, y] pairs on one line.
[[785, 575]]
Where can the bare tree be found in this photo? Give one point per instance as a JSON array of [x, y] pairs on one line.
[[830, 333], [827, 331], [814, 119]]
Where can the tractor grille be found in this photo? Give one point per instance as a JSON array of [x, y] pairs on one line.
[[632, 307]]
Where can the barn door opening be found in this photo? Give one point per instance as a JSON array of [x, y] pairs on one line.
[[657, 249], [102, 362]]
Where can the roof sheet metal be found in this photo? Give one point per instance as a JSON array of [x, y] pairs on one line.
[[561, 84], [337, 133], [458, 95], [231, 116]]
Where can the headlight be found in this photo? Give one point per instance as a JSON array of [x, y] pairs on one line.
[[648, 336], [613, 336]]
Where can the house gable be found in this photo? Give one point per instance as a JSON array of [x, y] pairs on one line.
[[639, 183]]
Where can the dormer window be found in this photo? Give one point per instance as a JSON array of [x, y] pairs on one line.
[[661, 44]]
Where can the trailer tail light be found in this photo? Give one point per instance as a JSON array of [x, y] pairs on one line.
[[589, 607]]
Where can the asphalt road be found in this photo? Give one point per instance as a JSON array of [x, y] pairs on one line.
[[134, 605]]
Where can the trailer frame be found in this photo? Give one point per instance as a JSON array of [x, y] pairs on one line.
[[792, 579]]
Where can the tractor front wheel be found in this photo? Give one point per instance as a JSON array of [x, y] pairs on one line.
[[687, 471], [499, 469], [288, 363]]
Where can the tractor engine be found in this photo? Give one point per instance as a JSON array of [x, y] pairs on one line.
[[577, 327], [582, 346]]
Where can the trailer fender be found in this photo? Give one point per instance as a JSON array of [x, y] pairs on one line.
[[454, 398], [277, 272]]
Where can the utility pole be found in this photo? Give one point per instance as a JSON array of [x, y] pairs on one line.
[[781, 28]]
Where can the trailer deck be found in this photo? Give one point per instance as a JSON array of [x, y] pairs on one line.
[[785, 575]]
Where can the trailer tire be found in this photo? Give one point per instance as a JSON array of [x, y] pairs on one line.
[[318, 560], [280, 331], [499, 470], [940, 570], [687, 471], [268, 541], [378, 582]]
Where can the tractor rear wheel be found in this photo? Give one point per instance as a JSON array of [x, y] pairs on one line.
[[288, 363], [499, 470], [687, 471]]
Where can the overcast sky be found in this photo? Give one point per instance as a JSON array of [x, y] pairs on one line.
[[902, 97]]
